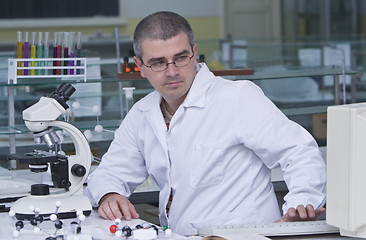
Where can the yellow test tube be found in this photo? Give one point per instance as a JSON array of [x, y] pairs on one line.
[[19, 52]]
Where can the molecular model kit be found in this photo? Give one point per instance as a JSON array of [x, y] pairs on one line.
[[37, 221], [94, 228], [140, 231]]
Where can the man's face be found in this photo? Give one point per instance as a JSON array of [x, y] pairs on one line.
[[173, 83]]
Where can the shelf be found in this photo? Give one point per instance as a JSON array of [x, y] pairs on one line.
[[6, 130], [226, 72], [54, 81], [233, 72], [107, 124], [26, 141], [305, 110], [130, 76], [307, 72], [82, 125]]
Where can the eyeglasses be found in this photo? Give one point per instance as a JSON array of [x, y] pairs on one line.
[[160, 66]]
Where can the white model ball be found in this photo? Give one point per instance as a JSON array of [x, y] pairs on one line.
[[82, 217], [15, 234], [96, 109], [76, 105], [117, 221], [98, 128], [37, 230], [53, 217], [11, 213], [88, 134]]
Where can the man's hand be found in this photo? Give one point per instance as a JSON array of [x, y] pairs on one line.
[[114, 205], [301, 214]]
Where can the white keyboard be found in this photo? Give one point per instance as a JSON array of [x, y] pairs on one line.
[[272, 229]]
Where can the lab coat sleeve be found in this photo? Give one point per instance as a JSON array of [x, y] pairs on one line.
[[122, 168], [279, 141]]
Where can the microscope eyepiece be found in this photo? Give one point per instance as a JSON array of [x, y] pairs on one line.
[[63, 93]]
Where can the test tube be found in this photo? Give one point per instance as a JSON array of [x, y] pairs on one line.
[[126, 65], [26, 51], [39, 52], [72, 50], [19, 52], [129, 97], [55, 36], [33, 52], [66, 50], [46, 51], [78, 51], [59, 52]]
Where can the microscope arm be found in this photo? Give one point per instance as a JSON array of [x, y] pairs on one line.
[[83, 155]]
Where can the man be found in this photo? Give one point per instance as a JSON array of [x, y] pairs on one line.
[[209, 142]]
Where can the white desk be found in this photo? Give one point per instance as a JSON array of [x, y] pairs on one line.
[[97, 228]]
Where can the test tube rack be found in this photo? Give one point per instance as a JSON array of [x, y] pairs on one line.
[[47, 63]]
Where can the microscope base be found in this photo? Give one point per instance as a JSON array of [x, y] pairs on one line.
[[46, 205]]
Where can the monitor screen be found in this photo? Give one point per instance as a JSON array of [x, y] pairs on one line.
[[346, 168]]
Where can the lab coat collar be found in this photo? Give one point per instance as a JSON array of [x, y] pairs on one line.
[[151, 100], [202, 82]]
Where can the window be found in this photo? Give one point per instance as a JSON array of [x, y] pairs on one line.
[[45, 13]]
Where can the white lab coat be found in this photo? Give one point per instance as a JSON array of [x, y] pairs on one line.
[[216, 156]]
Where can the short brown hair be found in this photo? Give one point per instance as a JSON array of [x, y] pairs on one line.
[[160, 25]]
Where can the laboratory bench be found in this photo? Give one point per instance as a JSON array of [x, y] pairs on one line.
[[96, 228], [17, 183]]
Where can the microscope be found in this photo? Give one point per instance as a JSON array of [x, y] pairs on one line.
[[68, 173]]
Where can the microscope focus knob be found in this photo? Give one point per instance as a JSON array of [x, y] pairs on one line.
[[78, 170]]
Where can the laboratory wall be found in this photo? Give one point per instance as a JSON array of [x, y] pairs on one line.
[[204, 15]]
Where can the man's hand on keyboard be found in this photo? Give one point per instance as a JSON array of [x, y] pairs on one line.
[[302, 214]]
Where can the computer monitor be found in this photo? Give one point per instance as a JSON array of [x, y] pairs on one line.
[[346, 169]]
